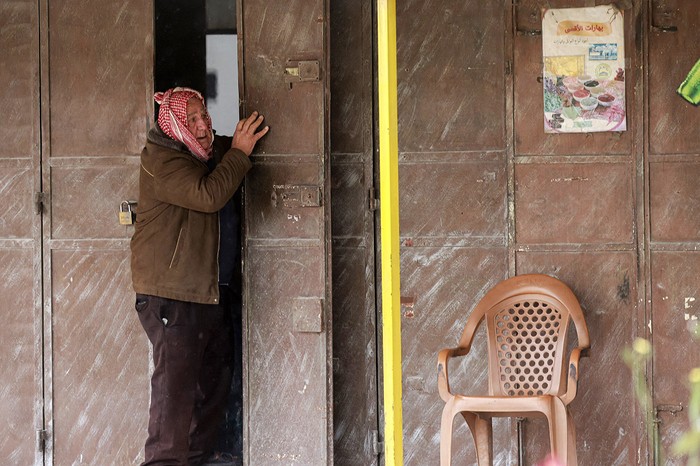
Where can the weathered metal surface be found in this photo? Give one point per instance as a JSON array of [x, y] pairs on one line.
[[354, 355], [17, 214], [288, 373], [673, 122], [355, 379], [674, 146], [89, 216], [605, 409], [574, 215], [440, 285], [453, 198], [457, 174], [19, 76], [100, 360], [20, 241], [275, 34], [574, 203], [97, 93], [100, 60], [676, 304], [20, 388], [674, 200], [286, 368], [352, 34], [273, 216], [450, 75], [453, 189]]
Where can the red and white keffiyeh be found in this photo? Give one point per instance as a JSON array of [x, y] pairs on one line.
[[172, 118]]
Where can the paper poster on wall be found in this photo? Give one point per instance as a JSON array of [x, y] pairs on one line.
[[583, 51]]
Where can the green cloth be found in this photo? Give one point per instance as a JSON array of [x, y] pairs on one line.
[[690, 87]]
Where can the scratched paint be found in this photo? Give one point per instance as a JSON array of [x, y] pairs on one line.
[[18, 387], [101, 360], [442, 120], [285, 244]]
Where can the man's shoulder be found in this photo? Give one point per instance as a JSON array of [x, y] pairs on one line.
[[157, 138]]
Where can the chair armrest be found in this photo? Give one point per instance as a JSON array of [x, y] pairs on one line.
[[442, 370], [572, 374], [442, 374]]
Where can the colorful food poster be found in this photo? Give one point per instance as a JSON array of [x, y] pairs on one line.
[[583, 51]]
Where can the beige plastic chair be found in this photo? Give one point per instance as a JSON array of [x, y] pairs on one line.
[[527, 317]]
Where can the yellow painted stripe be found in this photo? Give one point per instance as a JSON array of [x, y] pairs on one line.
[[389, 209]]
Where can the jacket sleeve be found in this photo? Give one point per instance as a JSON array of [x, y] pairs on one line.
[[184, 181]]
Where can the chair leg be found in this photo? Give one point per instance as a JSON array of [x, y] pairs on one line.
[[571, 441], [559, 435], [446, 435], [482, 432]]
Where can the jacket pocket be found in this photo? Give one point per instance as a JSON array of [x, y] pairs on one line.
[[176, 252]]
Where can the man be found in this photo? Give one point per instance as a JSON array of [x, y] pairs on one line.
[[185, 266]]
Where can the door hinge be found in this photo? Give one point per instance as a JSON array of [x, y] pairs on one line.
[[377, 446], [372, 201], [40, 199], [41, 437]]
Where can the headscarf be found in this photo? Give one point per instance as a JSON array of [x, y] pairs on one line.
[[172, 118]]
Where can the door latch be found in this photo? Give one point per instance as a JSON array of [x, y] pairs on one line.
[[302, 71], [293, 196]]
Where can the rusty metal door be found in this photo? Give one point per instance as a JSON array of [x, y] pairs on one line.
[[96, 104], [355, 379], [578, 214], [485, 193], [453, 149], [287, 316], [20, 235], [674, 196]]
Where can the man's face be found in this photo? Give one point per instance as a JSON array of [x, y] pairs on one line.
[[197, 122]]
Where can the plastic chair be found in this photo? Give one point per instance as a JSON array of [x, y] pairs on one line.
[[527, 318]]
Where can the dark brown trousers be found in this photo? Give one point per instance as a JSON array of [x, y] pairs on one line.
[[193, 356]]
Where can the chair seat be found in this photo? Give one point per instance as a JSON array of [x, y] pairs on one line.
[[504, 406]]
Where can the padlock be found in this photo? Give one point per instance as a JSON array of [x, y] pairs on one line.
[[126, 215]]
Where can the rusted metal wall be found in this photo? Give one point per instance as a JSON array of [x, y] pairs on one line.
[[453, 181], [288, 373], [578, 204], [674, 226], [485, 193], [354, 312], [96, 93], [20, 230]]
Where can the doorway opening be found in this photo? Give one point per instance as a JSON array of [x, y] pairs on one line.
[[196, 47]]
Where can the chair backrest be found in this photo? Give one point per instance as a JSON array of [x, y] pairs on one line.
[[527, 318]]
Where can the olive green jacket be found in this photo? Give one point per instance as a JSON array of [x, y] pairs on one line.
[[175, 245]]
